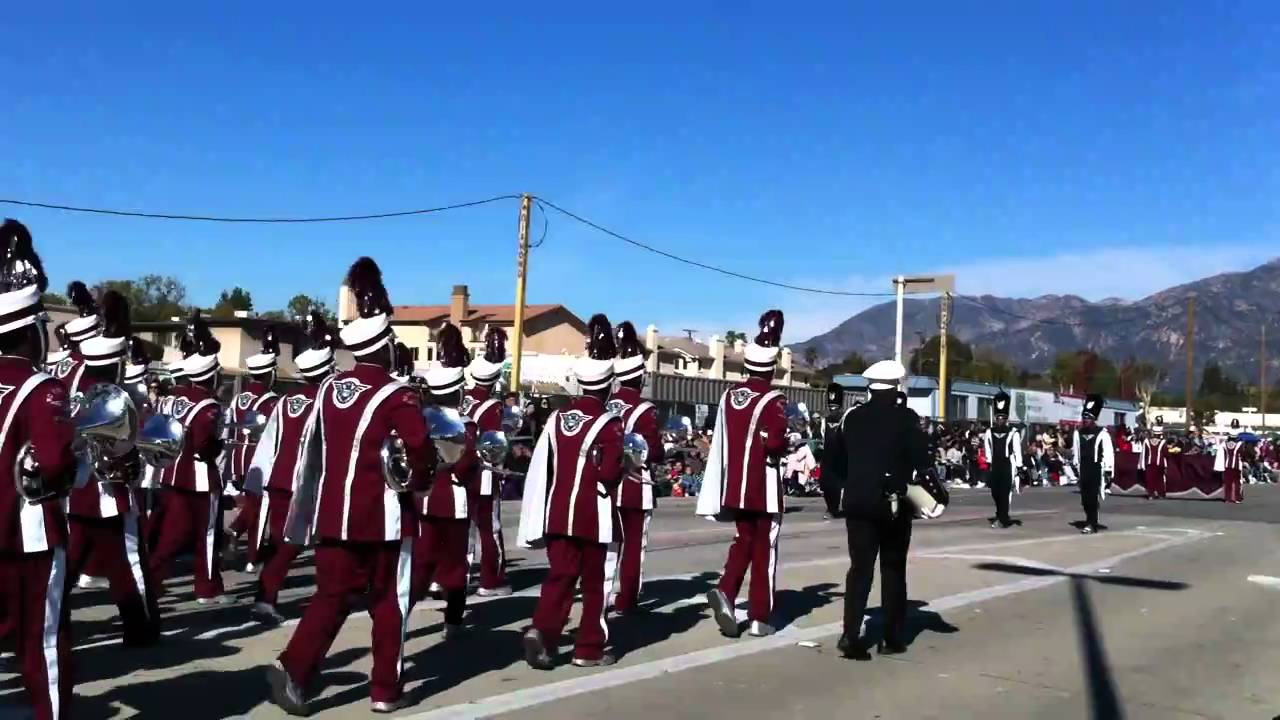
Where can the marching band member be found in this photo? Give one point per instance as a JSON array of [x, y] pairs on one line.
[[831, 482], [742, 481], [36, 436], [171, 383], [365, 529], [256, 396], [1153, 460], [1095, 461], [568, 503], [103, 518], [635, 493], [193, 504], [135, 376], [70, 369], [275, 461], [1228, 462], [440, 552], [486, 502], [1003, 447]]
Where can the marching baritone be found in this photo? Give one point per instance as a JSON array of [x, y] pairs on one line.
[[193, 495], [742, 481], [256, 399], [880, 451], [568, 506], [486, 505], [1153, 460], [102, 514], [1095, 461], [364, 527], [1002, 445], [135, 382], [635, 498], [36, 438], [440, 552], [275, 461], [1228, 461]]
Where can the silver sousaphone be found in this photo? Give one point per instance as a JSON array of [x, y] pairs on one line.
[[448, 433], [106, 426], [493, 446]]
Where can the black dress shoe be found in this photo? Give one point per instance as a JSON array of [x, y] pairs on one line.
[[890, 648], [852, 649]]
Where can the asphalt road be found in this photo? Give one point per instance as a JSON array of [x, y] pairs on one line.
[[1170, 613]]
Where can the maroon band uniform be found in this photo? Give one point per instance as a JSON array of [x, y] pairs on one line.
[[481, 405], [1229, 463], [34, 412], [255, 397], [363, 529], [1152, 462]]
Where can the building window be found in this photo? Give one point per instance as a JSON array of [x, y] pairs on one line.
[[681, 363], [984, 409], [958, 407], [415, 354], [431, 353]]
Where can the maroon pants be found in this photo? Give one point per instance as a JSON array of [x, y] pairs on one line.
[[440, 554], [1232, 491], [755, 546], [191, 519], [246, 523], [35, 587], [486, 515], [1153, 479], [380, 570], [278, 554], [573, 559], [633, 538], [117, 545]]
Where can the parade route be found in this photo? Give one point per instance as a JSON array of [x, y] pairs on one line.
[[1160, 616]]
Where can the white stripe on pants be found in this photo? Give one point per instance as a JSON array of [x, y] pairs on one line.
[[54, 597], [133, 554]]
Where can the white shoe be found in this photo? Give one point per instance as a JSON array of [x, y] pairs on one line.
[[249, 568], [215, 600], [494, 592], [88, 582]]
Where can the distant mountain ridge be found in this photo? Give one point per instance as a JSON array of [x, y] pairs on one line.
[[1230, 311]]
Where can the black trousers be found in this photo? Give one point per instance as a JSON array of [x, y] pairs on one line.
[[1001, 483], [889, 537], [1089, 488]]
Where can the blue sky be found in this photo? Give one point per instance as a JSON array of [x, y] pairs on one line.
[[1105, 149]]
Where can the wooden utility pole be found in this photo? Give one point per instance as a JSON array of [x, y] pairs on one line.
[[1262, 378], [944, 316], [1191, 341], [522, 268]]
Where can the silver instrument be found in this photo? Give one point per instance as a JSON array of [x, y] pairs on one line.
[[395, 464], [492, 447], [160, 441], [679, 427], [139, 393], [512, 419], [106, 426], [635, 452], [797, 418], [248, 431], [448, 432]]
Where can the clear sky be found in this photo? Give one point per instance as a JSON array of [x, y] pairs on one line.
[[1098, 148]]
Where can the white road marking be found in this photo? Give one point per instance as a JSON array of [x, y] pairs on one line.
[[549, 692], [1266, 581]]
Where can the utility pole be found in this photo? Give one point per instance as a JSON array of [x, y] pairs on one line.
[[1262, 378], [1191, 341], [899, 288], [522, 269], [943, 320]]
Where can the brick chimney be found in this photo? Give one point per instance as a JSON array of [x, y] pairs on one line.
[[717, 357], [651, 344], [346, 305], [458, 302]]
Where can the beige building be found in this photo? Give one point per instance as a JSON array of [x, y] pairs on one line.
[[548, 329], [717, 359]]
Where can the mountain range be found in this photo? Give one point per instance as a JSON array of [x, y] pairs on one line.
[[1230, 312]]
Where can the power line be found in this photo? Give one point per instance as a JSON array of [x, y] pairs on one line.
[[705, 266], [220, 219]]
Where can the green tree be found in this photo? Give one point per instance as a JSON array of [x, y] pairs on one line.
[[811, 356], [1084, 371], [231, 301], [733, 336], [53, 298], [924, 359], [151, 298], [301, 306]]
